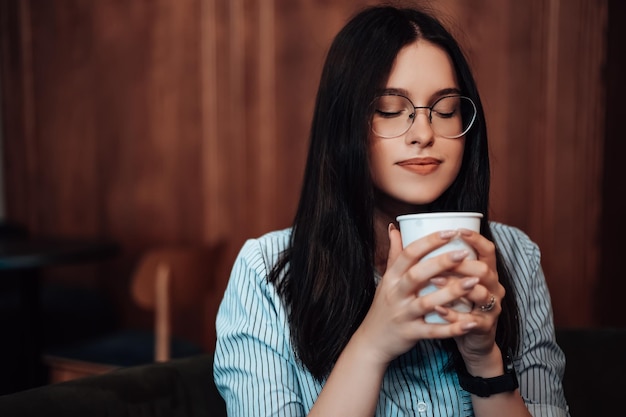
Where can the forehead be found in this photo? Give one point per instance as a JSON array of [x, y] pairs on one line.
[[423, 70]]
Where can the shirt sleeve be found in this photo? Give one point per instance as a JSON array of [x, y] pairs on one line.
[[253, 369], [540, 363]]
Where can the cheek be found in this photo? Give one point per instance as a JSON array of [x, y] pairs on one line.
[[454, 161], [457, 157]]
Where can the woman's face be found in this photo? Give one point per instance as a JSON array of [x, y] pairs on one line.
[[418, 166]]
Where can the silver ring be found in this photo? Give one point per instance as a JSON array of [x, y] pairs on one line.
[[489, 306]]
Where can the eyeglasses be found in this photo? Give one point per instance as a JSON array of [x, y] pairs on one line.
[[450, 116]]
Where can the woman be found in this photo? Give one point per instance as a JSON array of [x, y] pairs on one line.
[[324, 318]]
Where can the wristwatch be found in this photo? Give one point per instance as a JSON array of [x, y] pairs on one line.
[[485, 387]]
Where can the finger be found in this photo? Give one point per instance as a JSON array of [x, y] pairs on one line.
[[481, 294], [443, 331], [439, 282], [416, 250], [483, 246], [395, 245], [483, 314], [491, 305], [422, 272], [466, 321], [431, 297], [487, 271], [440, 265], [477, 268], [447, 314]]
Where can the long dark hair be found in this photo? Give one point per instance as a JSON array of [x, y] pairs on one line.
[[326, 276]]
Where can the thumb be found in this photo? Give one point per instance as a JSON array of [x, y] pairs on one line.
[[395, 244]]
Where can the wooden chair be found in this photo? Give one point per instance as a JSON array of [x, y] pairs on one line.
[[175, 283]]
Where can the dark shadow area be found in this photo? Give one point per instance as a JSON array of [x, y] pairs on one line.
[[178, 388], [612, 285], [69, 314], [595, 369]]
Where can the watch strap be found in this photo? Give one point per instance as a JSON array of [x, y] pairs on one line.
[[485, 387]]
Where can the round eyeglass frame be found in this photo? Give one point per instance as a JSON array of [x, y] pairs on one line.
[[430, 115]]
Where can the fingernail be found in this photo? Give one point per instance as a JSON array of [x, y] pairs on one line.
[[459, 255], [469, 283], [447, 234], [438, 281], [391, 227], [465, 232], [469, 326]]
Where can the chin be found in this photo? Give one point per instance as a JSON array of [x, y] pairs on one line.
[[422, 200]]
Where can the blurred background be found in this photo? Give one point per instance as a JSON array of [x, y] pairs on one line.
[[162, 122]]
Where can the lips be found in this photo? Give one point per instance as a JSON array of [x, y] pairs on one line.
[[421, 166]]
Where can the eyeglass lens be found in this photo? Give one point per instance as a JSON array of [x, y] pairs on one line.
[[450, 116]]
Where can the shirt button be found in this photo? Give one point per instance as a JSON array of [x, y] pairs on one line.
[[422, 407]]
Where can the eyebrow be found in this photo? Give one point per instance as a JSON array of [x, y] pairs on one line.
[[437, 94]]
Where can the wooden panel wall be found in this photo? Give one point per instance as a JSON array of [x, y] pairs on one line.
[[187, 121], [540, 66], [103, 135], [261, 66]]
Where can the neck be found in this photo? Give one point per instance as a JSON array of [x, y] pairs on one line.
[[385, 212]]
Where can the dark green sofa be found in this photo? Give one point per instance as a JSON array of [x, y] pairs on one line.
[[178, 388]]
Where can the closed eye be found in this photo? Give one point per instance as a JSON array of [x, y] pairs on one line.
[[447, 107], [444, 115], [389, 114]]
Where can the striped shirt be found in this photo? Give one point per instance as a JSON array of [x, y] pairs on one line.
[[258, 375]]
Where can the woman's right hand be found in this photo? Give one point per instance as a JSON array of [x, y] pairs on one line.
[[395, 320]]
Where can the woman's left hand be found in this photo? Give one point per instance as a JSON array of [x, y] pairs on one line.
[[486, 297]]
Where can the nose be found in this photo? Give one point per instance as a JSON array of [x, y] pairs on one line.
[[421, 131]]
